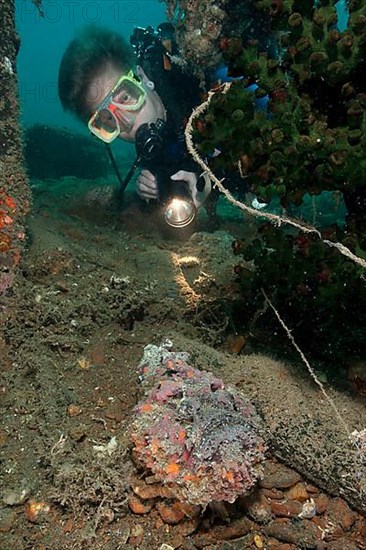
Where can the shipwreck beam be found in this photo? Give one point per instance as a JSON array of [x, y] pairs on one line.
[[14, 189]]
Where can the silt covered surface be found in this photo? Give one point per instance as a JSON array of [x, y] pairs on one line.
[[90, 296]]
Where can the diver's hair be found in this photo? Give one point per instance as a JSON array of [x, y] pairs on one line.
[[83, 59]]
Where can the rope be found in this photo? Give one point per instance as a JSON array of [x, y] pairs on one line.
[[274, 218]]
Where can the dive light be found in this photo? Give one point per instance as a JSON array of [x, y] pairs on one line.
[[179, 209]]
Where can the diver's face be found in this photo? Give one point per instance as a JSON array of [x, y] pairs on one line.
[[149, 112]]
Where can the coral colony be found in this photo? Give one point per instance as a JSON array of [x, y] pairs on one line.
[[307, 138], [193, 433], [312, 136]]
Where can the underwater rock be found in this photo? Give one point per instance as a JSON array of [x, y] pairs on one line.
[[194, 433], [52, 153]]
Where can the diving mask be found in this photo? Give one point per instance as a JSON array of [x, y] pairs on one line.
[[115, 114]]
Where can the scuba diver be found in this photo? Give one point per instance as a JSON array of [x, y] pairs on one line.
[[138, 95]]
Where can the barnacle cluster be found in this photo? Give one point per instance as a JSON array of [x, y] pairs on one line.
[[198, 28], [193, 433]]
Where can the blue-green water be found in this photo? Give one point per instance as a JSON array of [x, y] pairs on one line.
[[44, 41]]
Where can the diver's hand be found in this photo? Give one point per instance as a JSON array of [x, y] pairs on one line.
[[147, 186], [191, 179]]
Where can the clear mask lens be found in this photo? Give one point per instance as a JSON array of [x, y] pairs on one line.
[[104, 125], [106, 121], [128, 95]]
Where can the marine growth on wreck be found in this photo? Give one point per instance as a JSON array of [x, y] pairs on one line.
[[292, 123]]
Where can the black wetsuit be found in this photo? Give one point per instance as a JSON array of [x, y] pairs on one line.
[[180, 93]]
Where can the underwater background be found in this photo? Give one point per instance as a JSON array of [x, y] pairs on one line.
[[118, 333], [44, 40]]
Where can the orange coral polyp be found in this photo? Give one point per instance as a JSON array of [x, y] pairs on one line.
[[229, 476], [172, 469], [181, 436], [10, 203], [146, 407], [5, 200], [4, 219]]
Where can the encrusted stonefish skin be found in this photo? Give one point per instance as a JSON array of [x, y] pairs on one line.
[[193, 433]]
